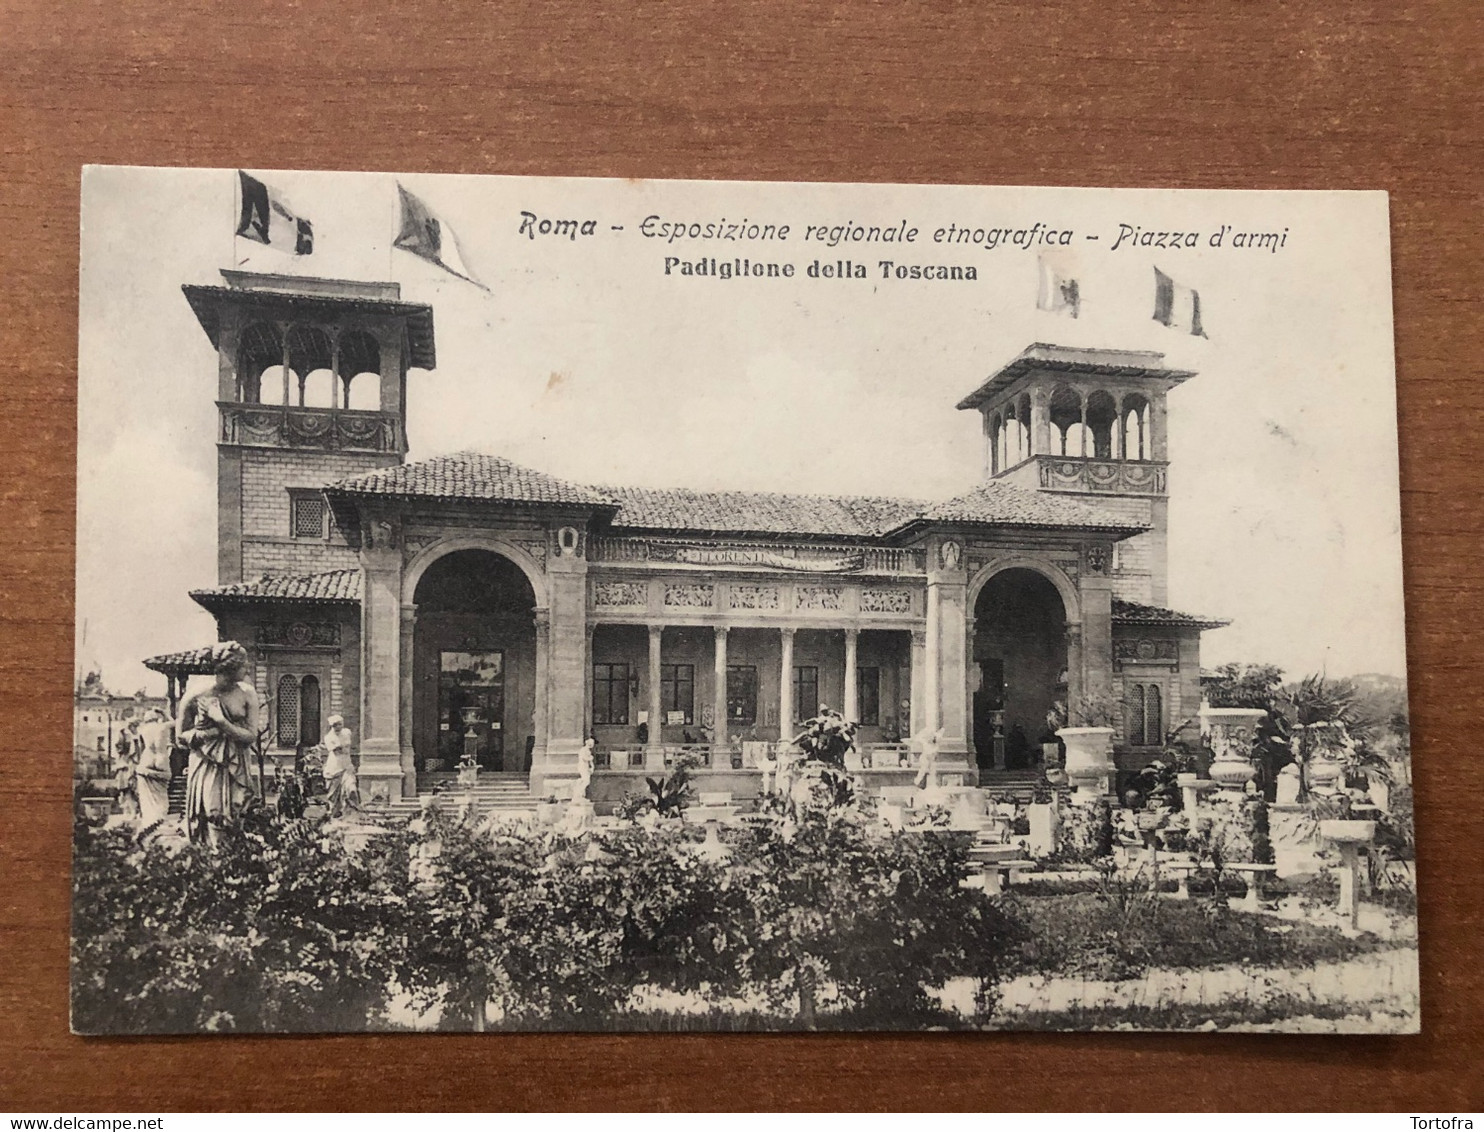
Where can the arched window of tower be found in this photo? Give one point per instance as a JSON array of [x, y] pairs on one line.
[[1066, 421], [1136, 427], [360, 370], [311, 358], [1102, 414], [259, 350]]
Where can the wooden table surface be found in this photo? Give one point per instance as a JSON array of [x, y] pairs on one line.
[[1308, 94]]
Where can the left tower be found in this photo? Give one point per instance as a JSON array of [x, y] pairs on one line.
[[311, 388]]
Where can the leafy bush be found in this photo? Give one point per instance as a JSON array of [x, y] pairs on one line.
[[279, 928], [287, 925], [1084, 834]]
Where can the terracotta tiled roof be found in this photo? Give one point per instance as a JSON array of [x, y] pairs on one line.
[[191, 662], [470, 475], [756, 512], [473, 476], [1132, 613], [332, 585], [1000, 504]]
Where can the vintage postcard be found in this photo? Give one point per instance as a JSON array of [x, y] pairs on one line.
[[518, 603]]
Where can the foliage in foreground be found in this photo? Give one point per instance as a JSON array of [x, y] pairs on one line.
[[287, 926]]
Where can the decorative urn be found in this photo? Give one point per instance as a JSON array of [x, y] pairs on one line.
[[1089, 757], [1232, 732]]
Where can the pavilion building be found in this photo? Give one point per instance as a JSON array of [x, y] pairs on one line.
[[467, 606]]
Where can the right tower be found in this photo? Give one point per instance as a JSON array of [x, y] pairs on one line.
[[1089, 422]]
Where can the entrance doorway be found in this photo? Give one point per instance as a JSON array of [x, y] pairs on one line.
[[474, 664], [471, 707], [1020, 649]]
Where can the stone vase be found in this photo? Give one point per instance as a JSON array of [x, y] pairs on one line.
[[1232, 732], [1089, 758]]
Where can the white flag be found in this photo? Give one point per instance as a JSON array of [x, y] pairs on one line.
[[1058, 292]]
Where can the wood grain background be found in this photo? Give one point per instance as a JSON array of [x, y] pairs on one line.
[[1308, 94]]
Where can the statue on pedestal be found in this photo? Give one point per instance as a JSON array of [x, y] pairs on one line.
[[219, 724]]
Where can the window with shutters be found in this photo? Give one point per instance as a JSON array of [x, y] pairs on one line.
[[297, 711], [868, 696], [1145, 715], [806, 691]]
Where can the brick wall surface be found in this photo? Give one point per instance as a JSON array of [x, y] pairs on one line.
[[267, 476]]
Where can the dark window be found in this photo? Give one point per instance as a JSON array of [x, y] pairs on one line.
[[868, 695], [806, 691], [308, 516], [677, 691], [610, 693], [741, 693], [309, 732], [288, 711], [1145, 715]]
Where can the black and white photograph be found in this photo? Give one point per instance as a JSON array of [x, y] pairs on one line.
[[547, 604]]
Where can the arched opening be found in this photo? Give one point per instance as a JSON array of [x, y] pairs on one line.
[[360, 370], [1020, 653], [1136, 444], [1102, 419], [1066, 422], [260, 348], [474, 664], [310, 352]]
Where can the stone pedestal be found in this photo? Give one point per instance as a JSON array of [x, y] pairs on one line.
[[1348, 837], [1044, 819]]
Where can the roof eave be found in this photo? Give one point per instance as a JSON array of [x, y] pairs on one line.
[[215, 602]]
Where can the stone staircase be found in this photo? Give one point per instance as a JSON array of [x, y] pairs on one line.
[[494, 792], [1017, 785]]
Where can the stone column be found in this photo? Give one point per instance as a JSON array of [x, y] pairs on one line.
[[381, 650], [931, 665], [1097, 633], [916, 695], [1074, 663], [719, 693], [541, 715], [851, 709], [409, 762], [587, 682], [948, 701], [1040, 421], [566, 684], [654, 754], [786, 684]]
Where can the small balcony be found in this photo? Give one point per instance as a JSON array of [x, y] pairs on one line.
[[292, 426]]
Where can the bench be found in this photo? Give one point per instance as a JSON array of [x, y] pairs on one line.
[[1254, 876], [996, 875]]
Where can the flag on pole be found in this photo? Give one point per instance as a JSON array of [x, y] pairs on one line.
[[265, 217], [1058, 292], [429, 238], [1177, 307]]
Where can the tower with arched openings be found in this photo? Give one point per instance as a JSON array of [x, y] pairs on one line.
[[311, 388], [1089, 423]]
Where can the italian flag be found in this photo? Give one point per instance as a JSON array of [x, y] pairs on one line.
[[1177, 307], [265, 217]]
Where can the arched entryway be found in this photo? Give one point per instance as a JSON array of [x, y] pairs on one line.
[[1020, 658], [474, 663]]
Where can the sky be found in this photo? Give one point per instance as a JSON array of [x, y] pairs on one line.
[[586, 360]]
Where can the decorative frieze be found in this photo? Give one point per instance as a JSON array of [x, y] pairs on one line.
[[287, 426], [1146, 650], [299, 634], [753, 597], [697, 595], [886, 601], [620, 594], [1123, 477], [777, 556], [819, 597]]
